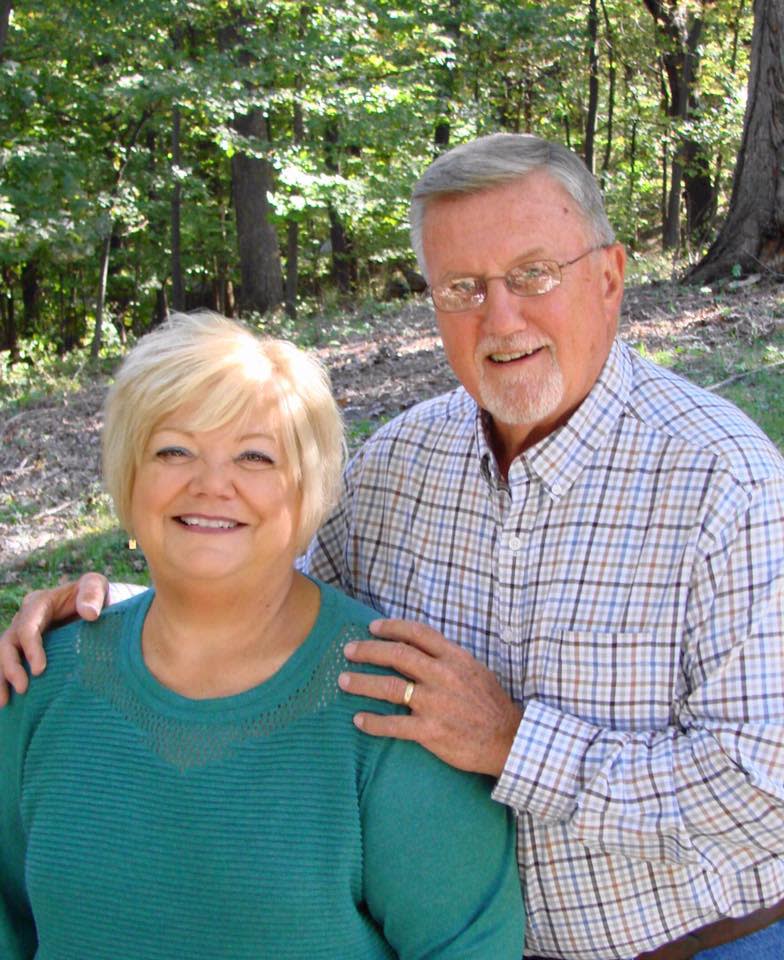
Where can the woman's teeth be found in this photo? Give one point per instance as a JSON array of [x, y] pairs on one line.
[[205, 522]]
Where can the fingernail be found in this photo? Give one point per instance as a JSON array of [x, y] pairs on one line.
[[93, 608], [343, 681], [350, 649], [359, 721]]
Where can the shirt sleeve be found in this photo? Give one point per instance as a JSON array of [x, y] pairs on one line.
[[709, 788], [440, 872], [17, 930]]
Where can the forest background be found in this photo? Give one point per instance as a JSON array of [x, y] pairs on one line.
[[257, 157]]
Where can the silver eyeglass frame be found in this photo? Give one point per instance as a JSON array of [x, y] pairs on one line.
[[483, 281]]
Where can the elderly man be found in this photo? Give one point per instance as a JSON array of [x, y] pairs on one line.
[[584, 558]]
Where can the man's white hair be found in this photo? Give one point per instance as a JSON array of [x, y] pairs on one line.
[[503, 158]]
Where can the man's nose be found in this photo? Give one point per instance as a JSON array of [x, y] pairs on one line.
[[503, 311]]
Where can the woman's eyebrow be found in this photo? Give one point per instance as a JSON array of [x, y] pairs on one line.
[[257, 435]]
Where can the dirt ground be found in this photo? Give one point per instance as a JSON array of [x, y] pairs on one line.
[[50, 454]]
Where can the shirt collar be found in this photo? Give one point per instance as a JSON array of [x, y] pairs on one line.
[[560, 458]]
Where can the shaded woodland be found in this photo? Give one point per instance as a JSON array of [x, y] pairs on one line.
[[256, 157]]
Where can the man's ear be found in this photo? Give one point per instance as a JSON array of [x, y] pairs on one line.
[[612, 277]]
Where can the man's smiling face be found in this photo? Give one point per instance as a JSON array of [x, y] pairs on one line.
[[528, 361]]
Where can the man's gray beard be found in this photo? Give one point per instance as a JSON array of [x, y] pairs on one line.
[[526, 400]]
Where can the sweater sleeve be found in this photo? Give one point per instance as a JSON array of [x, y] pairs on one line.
[[440, 871], [18, 939]]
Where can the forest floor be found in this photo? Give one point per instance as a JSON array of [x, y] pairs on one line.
[[50, 453]]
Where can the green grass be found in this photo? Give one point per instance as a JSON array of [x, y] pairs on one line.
[[330, 324], [359, 430], [97, 544], [13, 510], [41, 373], [759, 392], [651, 266], [762, 398]]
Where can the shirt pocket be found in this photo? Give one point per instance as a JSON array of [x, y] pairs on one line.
[[625, 681]]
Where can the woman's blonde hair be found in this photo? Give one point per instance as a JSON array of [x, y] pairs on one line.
[[221, 368]]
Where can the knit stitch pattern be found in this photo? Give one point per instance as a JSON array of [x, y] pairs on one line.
[[139, 824]]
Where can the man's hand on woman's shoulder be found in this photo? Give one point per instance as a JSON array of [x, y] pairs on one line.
[[40, 610]]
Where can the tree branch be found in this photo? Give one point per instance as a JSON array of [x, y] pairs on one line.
[[742, 376]]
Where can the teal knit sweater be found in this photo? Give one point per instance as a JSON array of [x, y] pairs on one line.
[[136, 824]]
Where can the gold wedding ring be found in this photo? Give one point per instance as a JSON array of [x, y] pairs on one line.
[[409, 693]]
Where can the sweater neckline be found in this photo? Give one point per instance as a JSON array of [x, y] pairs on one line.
[[283, 685]]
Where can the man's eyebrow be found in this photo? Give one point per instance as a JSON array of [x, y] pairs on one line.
[[535, 253]]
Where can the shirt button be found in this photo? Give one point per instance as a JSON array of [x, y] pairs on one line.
[[515, 543]]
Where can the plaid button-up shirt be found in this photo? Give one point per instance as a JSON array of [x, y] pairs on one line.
[[626, 584]]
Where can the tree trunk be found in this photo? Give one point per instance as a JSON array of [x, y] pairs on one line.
[[103, 275], [260, 268], [31, 294], [732, 69], [10, 333], [343, 261], [700, 192], [6, 6], [71, 321], [610, 93], [671, 231], [292, 267], [753, 233], [680, 31], [593, 84], [292, 227], [679, 67], [633, 177], [261, 274], [225, 288], [344, 264], [178, 288], [106, 244], [736, 35], [665, 162], [445, 81], [103, 278], [161, 307]]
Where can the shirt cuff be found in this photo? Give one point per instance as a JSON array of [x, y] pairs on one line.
[[545, 769], [123, 591]]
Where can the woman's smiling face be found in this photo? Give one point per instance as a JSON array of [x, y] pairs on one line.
[[216, 504]]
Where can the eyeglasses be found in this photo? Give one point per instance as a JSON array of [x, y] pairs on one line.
[[530, 279]]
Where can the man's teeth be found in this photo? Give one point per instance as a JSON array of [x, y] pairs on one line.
[[507, 357], [205, 522]]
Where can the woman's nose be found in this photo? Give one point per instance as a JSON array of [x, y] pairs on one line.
[[212, 478]]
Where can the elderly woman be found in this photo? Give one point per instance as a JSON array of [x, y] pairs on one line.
[[185, 779]]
